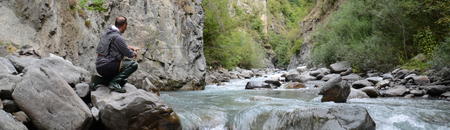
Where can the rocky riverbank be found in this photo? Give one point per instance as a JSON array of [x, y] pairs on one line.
[[52, 93]]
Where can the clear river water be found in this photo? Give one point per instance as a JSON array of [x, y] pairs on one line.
[[230, 106]]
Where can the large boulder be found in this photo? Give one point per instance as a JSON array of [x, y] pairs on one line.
[[340, 67], [49, 100], [257, 84], [134, 110], [7, 122], [335, 90], [336, 117], [63, 68]]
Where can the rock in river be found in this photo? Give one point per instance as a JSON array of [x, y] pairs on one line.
[[134, 110], [335, 90]]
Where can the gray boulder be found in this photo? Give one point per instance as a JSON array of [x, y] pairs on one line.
[[7, 122], [361, 84], [339, 117], [49, 101], [355, 93], [398, 90], [256, 84], [335, 90], [63, 68], [371, 91], [293, 75], [6, 67], [134, 110], [340, 67]]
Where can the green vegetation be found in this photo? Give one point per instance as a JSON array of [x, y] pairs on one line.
[[93, 5], [286, 42], [231, 42], [382, 34], [233, 37]]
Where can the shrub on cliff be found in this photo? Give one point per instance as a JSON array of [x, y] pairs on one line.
[[382, 34]]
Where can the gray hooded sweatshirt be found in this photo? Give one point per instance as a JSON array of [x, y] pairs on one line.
[[112, 48]]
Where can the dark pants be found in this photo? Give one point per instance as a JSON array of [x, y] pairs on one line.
[[116, 71]]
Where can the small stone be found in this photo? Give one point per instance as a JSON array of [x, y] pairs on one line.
[[399, 90], [371, 91], [446, 94], [374, 80], [387, 76], [1, 104], [22, 117], [10, 106], [302, 69], [417, 92], [409, 96], [383, 84], [361, 84], [340, 66], [330, 76], [95, 113], [82, 89], [351, 77], [421, 80], [355, 93], [256, 84], [294, 85]]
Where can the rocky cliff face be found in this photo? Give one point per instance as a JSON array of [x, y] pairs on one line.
[[168, 31], [315, 18]]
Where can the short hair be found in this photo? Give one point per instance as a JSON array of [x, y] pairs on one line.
[[120, 21]]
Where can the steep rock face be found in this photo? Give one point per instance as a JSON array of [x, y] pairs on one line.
[[310, 24], [169, 32]]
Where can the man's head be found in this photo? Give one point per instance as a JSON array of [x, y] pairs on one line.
[[121, 23]]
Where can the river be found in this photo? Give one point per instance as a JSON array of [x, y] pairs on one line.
[[230, 106]]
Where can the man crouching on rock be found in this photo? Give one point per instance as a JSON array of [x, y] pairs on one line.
[[110, 63]]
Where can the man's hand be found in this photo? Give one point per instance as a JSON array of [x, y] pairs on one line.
[[135, 49]]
